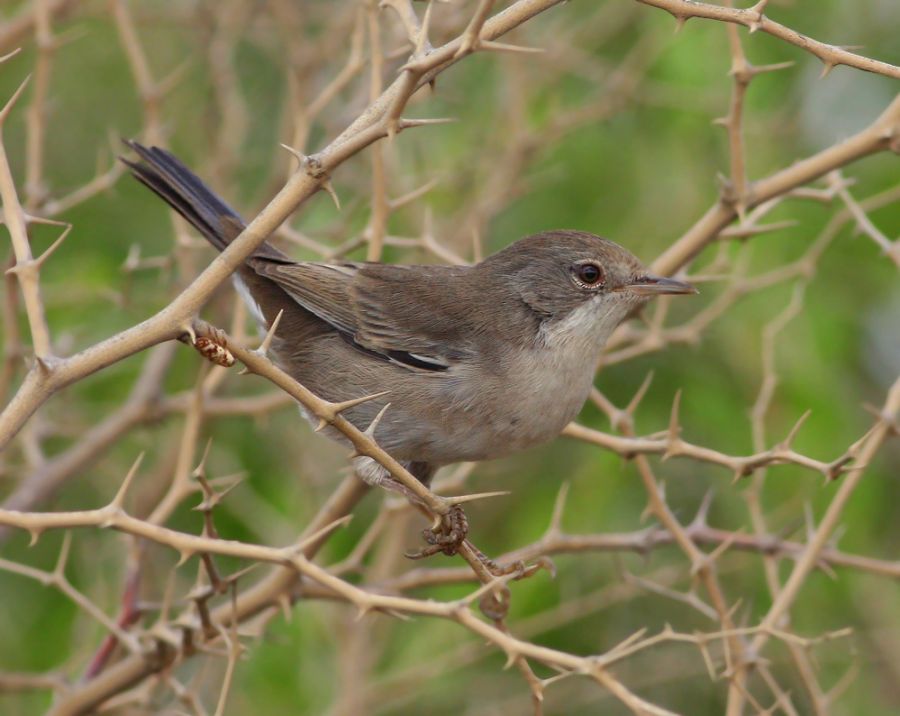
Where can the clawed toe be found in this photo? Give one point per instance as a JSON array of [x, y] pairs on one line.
[[446, 537]]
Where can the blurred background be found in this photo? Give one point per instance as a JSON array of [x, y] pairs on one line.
[[609, 130]]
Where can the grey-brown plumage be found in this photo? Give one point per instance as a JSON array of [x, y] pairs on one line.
[[478, 361]]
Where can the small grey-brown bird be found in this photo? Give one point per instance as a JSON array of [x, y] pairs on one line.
[[477, 361]]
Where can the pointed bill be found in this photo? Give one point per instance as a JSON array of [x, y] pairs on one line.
[[650, 285]]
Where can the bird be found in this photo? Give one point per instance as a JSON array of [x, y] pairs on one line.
[[474, 362]]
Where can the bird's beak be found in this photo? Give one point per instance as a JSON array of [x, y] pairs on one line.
[[650, 285]]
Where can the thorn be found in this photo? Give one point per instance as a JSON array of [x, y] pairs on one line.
[[759, 8], [648, 511], [680, 21], [405, 199], [337, 408], [34, 533], [748, 230], [60, 568], [422, 43], [270, 334], [329, 189], [674, 429], [53, 247], [212, 499], [559, 506], [321, 425], [119, 499], [296, 153], [132, 259], [477, 247], [639, 395], [43, 364], [857, 446], [190, 332], [462, 499], [10, 55], [370, 431], [170, 81], [761, 69], [718, 551], [734, 608], [809, 521], [397, 615], [284, 602], [200, 470], [789, 440], [491, 46], [827, 67], [183, 556], [323, 532], [703, 510], [404, 123], [4, 113], [627, 641], [825, 567]]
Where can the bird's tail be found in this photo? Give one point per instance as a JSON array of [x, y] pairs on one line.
[[183, 190]]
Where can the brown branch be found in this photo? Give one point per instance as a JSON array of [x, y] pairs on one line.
[[881, 135], [754, 19]]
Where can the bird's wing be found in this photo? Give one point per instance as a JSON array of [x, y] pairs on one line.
[[405, 315]]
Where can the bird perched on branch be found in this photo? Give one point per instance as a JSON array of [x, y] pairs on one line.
[[476, 362]]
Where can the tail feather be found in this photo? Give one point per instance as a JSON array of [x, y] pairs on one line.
[[184, 191]]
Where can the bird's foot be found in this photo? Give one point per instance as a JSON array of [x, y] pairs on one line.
[[445, 536], [517, 569]]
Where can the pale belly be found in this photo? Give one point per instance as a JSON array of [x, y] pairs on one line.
[[468, 413], [497, 415]]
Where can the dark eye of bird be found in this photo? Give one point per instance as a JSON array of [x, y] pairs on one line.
[[589, 274]]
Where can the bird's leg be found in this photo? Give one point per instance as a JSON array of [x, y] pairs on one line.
[[448, 531]]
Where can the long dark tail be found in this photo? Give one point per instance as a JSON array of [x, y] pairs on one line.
[[183, 190]]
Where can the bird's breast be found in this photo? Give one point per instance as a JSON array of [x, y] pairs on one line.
[[492, 410]]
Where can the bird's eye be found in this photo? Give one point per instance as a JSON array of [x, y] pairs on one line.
[[589, 274]]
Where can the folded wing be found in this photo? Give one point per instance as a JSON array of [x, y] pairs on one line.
[[401, 315]]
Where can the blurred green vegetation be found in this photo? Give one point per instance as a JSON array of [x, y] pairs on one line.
[[641, 177]]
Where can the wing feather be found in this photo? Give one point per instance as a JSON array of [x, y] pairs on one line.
[[380, 307]]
